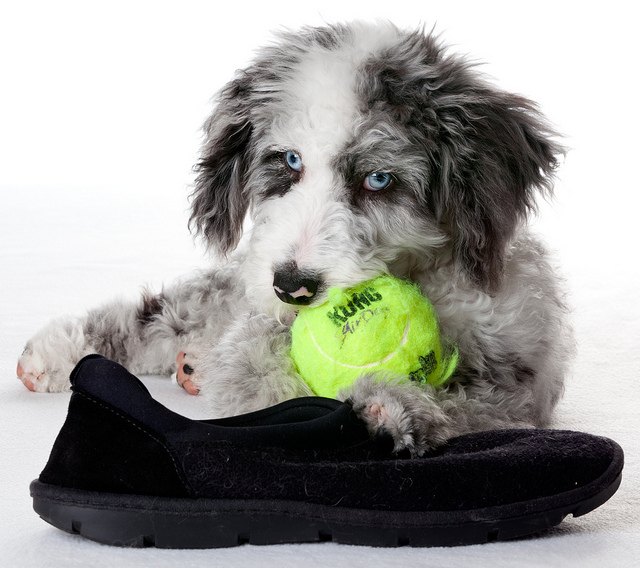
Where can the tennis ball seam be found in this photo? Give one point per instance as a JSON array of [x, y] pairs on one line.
[[387, 358]]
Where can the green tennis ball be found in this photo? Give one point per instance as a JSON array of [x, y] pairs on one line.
[[382, 325]]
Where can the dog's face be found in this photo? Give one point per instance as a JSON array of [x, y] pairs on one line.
[[363, 149]]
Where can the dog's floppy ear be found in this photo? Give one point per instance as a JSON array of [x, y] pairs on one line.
[[495, 152], [219, 200]]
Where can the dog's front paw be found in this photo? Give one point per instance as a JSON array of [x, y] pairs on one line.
[[404, 411], [384, 415], [33, 373], [50, 355]]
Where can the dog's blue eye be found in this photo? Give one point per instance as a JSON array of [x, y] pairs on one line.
[[294, 161], [376, 181]]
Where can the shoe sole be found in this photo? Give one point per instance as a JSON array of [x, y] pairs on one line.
[[145, 521]]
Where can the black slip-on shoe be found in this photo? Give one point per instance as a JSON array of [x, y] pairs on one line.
[[127, 471]]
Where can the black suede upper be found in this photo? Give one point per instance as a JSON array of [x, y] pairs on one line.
[[118, 439], [508, 467], [99, 449]]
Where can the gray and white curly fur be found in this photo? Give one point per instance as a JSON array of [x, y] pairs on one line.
[[466, 161]]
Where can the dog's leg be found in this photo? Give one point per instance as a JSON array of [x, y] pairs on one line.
[[121, 331], [250, 367], [144, 336], [421, 417]]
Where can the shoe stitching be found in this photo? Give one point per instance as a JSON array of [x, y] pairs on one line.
[[187, 488]]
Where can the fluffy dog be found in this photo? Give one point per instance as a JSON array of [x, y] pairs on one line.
[[354, 150]]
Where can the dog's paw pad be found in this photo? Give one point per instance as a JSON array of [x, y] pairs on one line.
[[185, 374], [32, 374], [390, 419], [376, 414], [27, 379]]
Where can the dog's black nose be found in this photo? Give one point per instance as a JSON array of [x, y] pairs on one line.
[[295, 286]]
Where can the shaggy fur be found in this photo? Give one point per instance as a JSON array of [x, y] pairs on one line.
[[466, 161]]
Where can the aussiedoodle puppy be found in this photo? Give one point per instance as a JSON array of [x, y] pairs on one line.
[[343, 152]]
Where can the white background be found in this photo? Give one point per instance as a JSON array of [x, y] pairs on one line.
[[100, 110]]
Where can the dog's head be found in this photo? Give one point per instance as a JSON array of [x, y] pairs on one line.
[[361, 149]]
